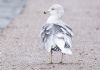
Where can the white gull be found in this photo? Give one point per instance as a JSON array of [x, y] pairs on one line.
[[55, 34]]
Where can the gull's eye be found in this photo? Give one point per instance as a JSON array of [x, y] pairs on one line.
[[52, 9]]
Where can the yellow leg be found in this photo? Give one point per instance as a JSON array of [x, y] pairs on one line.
[[61, 58], [51, 57]]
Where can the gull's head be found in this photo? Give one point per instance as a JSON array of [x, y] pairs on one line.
[[55, 10]]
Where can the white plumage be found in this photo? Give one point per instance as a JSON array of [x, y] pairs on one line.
[[56, 35]]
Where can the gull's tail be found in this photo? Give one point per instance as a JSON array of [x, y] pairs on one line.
[[67, 51], [64, 43]]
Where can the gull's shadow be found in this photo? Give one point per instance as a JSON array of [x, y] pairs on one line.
[[60, 63]]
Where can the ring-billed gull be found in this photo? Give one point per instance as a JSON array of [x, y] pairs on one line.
[[56, 35]]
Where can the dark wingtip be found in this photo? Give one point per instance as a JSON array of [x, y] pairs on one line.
[[45, 12]]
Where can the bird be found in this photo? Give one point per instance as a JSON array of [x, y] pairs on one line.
[[56, 35]]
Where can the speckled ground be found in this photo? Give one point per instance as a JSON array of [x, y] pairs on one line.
[[20, 47]]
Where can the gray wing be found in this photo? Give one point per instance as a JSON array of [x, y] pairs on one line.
[[68, 27], [66, 31], [53, 29], [49, 29], [45, 32], [63, 29]]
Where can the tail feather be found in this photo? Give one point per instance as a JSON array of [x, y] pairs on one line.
[[67, 51]]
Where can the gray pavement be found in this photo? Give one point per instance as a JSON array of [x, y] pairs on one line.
[[20, 45], [8, 10]]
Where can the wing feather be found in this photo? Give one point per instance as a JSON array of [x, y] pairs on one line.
[[52, 29]]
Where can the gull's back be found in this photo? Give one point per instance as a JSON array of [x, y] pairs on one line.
[[56, 37]]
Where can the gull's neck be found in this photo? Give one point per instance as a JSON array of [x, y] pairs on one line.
[[54, 19]]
